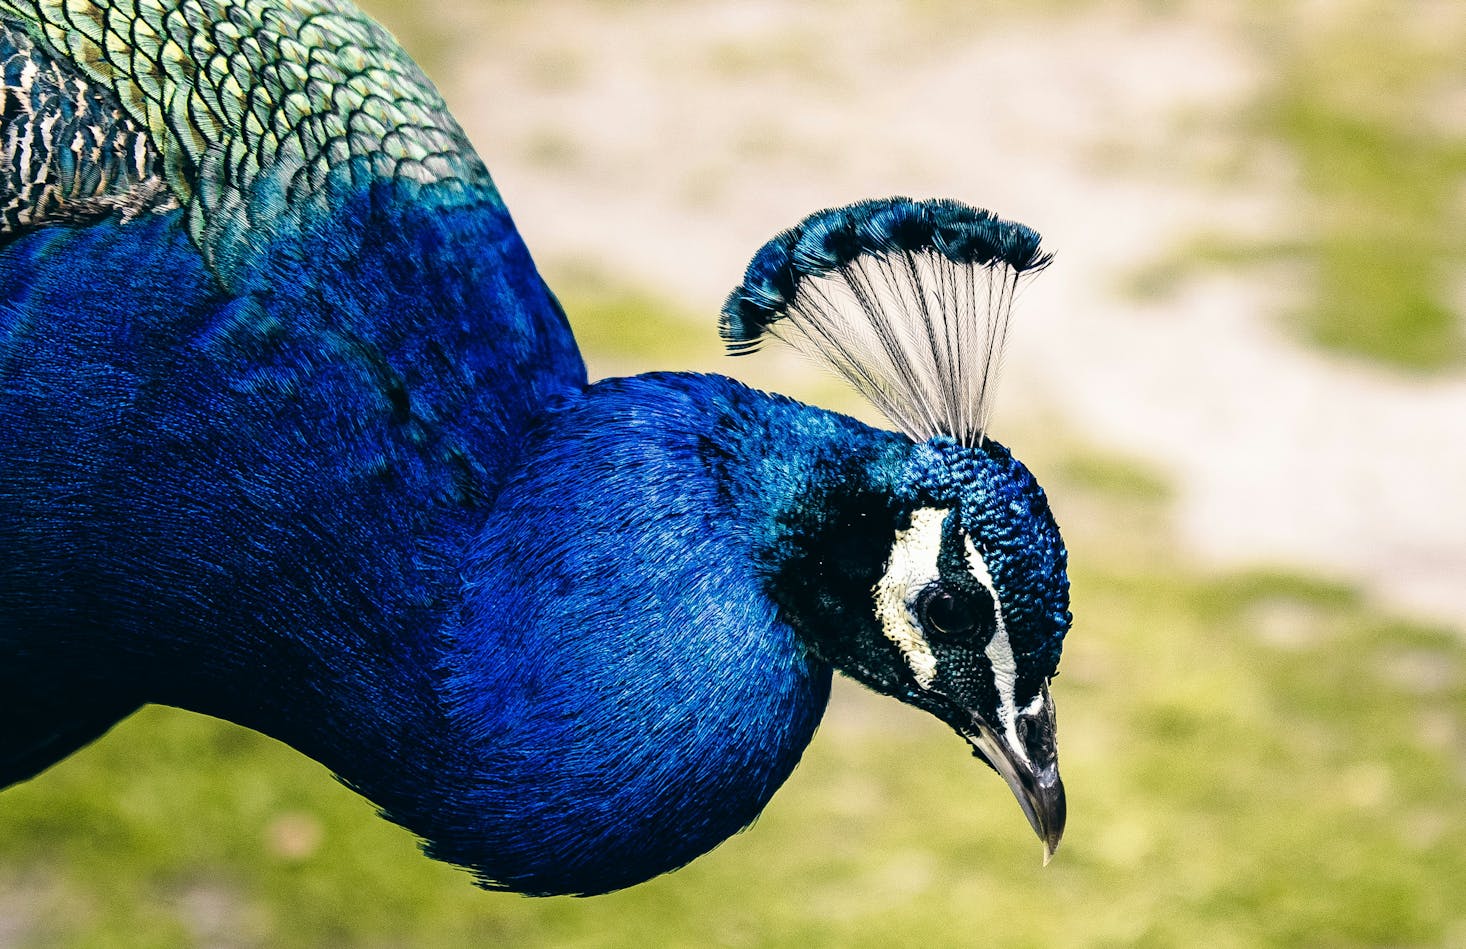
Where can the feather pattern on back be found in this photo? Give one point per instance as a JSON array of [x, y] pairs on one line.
[[907, 300], [68, 154], [253, 107]]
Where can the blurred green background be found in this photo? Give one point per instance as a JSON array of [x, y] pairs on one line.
[[1255, 754]]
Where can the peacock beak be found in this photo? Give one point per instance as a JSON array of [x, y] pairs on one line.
[[1027, 756]]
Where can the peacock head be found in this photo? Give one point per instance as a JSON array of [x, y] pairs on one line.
[[932, 569]]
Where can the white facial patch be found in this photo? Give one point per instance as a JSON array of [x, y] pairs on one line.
[[913, 567]]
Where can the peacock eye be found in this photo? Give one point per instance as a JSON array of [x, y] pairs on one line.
[[949, 612]]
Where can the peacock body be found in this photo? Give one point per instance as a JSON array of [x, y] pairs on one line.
[[293, 434]]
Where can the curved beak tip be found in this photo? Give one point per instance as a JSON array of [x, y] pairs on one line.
[[1026, 756], [1044, 806], [1053, 830]]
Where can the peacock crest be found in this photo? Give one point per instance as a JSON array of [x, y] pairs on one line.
[[908, 300]]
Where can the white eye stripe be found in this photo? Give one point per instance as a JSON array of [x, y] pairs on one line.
[[999, 652], [1005, 679], [979, 568], [912, 566]]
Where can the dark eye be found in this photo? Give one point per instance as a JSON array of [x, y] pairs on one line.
[[948, 611]]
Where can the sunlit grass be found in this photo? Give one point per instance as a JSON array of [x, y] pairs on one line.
[[622, 329], [1359, 99], [1365, 103]]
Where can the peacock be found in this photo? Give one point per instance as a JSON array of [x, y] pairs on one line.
[[292, 433]]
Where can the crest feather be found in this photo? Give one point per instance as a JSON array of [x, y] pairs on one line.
[[908, 300]]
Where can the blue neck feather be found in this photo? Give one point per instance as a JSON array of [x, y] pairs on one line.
[[626, 557]]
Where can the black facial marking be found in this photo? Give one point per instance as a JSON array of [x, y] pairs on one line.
[[826, 561], [956, 608], [948, 611]]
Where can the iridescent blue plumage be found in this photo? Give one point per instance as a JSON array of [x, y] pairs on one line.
[[1001, 503], [305, 443]]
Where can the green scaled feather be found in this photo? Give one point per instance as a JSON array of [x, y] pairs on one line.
[[254, 105]]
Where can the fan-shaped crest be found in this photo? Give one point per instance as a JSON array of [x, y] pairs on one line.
[[908, 300]]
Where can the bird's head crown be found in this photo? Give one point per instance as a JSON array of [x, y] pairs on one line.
[[939, 579]]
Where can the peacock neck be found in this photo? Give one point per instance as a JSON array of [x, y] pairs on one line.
[[632, 693]]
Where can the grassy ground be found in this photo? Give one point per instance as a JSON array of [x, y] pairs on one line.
[[1364, 109], [1251, 759], [1369, 102]]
